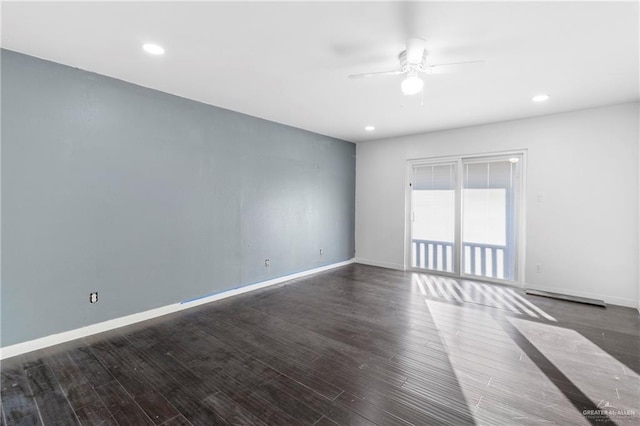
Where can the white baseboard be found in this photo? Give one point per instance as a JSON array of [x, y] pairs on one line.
[[387, 265], [54, 339], [619, 301]]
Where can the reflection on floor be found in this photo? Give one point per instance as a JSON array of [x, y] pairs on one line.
[[355, 345]]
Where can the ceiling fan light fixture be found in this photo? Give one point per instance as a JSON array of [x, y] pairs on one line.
[[412, 84]]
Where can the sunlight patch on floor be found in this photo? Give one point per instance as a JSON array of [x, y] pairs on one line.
[[500, 383], [465, 291], [618, 387]]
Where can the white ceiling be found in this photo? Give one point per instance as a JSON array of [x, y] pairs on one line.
[[287, 62]]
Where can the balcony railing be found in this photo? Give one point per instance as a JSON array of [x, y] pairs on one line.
[[487, 260]]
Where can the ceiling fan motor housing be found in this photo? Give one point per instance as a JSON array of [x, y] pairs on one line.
[[407, 66]]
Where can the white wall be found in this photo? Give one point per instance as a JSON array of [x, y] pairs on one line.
[[584, 234]]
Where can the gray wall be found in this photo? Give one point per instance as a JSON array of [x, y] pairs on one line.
[[151, 199]]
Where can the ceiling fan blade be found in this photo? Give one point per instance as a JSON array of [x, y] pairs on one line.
[[376, 74], [415, 50], [454, 67]]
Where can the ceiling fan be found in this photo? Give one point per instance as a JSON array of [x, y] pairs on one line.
[[413, 63]]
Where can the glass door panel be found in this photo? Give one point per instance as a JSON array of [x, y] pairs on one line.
[[433, 217], [489, 202]]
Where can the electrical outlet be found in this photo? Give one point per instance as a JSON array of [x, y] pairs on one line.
[[321, 252], [538, 268], [266, 262], [93, 297]]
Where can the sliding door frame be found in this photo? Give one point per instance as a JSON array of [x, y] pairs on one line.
[[520, 215]]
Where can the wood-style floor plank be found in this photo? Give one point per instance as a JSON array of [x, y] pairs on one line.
[[329, 408], [52, 405], [95, 413], [75, 386], [122, 407], [17, 399], [356, 345], [177, 421], [30, 420], [231, 411]]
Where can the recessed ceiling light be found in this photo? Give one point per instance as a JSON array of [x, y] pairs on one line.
[[370, 128], [153, 49], [540, 98]]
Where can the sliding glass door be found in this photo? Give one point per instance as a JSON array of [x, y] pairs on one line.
[[490, 193], [464, 216]]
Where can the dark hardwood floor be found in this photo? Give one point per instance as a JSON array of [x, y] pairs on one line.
[[358, 345]]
